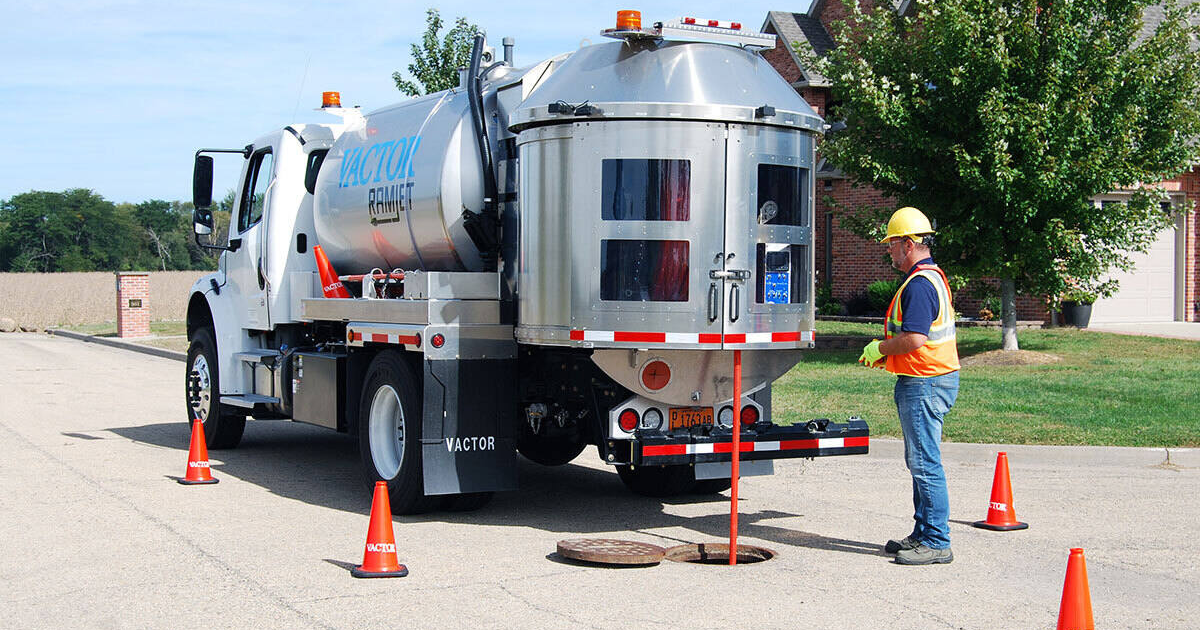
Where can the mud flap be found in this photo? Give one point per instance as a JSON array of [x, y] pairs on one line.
[[468, 442]]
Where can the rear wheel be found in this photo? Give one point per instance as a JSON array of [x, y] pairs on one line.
[[389, 433], [658, 481], [548, 451], [223, 427]]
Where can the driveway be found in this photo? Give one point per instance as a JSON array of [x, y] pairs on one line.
[[1174, 330], [97, 534]]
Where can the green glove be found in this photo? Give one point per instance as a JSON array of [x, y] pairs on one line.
[[871, 354]]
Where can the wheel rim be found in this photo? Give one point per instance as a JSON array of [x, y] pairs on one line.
[[386, 427], [200, 388]]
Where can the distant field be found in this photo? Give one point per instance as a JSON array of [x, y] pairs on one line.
[[68, 299]]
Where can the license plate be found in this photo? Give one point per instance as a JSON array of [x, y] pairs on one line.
[[684, 417]]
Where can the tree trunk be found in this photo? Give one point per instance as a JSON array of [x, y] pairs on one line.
[[1008, 309]]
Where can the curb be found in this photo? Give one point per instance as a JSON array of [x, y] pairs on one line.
[[115, 343]]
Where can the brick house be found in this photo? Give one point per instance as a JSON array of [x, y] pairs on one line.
[[1164, 286]]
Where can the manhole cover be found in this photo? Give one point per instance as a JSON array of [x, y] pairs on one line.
[[610, 551], [717, 553]]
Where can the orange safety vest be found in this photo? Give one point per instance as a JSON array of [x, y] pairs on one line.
[[939, 355]]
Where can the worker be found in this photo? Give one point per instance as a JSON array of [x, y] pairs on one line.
[[919, 348]]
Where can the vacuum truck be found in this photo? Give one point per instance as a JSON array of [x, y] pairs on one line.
[[538, 260]]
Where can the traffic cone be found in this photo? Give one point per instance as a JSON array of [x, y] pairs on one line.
[[330, 285], [1001, 516], [197, 472], [1075, 611], [379, 556]]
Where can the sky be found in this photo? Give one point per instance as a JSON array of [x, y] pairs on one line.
[[117, 95]]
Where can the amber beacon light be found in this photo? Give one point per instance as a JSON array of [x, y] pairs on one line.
[[331, 99], [629, 20]]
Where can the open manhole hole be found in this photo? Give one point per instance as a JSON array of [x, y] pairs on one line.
[[717, 553], [610, 551]]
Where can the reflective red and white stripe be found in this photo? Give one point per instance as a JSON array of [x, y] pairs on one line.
[[803, 336], [661, 450], [407, 340]]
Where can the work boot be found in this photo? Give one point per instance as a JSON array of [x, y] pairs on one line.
[[892, 546], [924, 555]]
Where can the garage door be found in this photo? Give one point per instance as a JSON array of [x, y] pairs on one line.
[[1147, 293]]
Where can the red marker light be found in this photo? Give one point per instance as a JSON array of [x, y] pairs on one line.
[[749, 415], [689, 20], [737, 26], [713, 23], [438, 340], [628, 420]]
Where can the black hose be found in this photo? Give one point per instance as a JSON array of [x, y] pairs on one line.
[[475, 95]]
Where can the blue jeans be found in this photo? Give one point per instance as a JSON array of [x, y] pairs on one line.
[[922, 404]]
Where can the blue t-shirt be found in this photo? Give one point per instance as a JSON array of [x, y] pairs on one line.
[[918, 303]]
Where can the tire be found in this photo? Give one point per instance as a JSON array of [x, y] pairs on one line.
[[712, 486], [389, 433], [553, 451], [223, 427], [658, 481], [466, 502]]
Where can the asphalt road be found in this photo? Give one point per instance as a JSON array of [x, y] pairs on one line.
[[95, 533]]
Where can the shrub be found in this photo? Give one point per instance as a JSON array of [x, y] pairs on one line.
[[880, 293]]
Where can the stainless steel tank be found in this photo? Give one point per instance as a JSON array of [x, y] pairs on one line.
[[393, 188], [666, 197]]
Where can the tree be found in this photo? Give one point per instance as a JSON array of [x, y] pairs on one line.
[[75, 230], [1002, 118], [436, 62]]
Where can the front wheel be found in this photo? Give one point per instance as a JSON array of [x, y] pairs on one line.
[[389, 433], [223, 427]]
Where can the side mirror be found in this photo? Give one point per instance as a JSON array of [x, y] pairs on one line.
[[202, 221], [202, 181]]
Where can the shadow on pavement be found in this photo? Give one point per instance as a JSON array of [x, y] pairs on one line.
[[320, 467]]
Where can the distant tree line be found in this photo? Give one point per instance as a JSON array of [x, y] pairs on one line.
[[79, 230]]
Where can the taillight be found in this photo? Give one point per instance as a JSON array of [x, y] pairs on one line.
[[628, 420], [749, 414]]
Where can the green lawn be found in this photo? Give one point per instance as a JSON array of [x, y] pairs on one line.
[[1107, 390]]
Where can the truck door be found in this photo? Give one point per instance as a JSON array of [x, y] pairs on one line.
[[245, 266], [767, 267]]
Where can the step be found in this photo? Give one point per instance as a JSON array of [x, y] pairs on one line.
[[248, 400], [255, 356]]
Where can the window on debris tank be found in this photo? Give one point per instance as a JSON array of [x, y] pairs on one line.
[[646, 190], [644, 270], [782, 191]]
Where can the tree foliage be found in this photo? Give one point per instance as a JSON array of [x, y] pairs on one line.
[[78, 230], [1002, 118], [436, 61]]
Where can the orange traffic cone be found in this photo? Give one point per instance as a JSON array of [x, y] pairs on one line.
[[379, 556], [197, 472], [1075, 611], [1001, 516], [330, 285]]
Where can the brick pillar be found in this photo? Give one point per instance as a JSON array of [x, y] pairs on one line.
[[133, 304]]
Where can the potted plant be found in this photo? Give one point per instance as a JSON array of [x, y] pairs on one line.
[[1076, 306]]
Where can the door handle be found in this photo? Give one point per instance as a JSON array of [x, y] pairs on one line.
[[714, 296], [735, 305]]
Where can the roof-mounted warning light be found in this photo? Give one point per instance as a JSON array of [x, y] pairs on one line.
[[688, 29], [331, 99]]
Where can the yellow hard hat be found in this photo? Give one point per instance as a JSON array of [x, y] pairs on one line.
[[907, 221]]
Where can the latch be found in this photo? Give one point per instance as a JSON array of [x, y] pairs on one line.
[[729, 274]]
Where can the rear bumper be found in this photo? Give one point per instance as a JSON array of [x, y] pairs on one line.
[[815, 439]]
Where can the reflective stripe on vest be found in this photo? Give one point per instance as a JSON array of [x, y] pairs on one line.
[[939, 354]]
